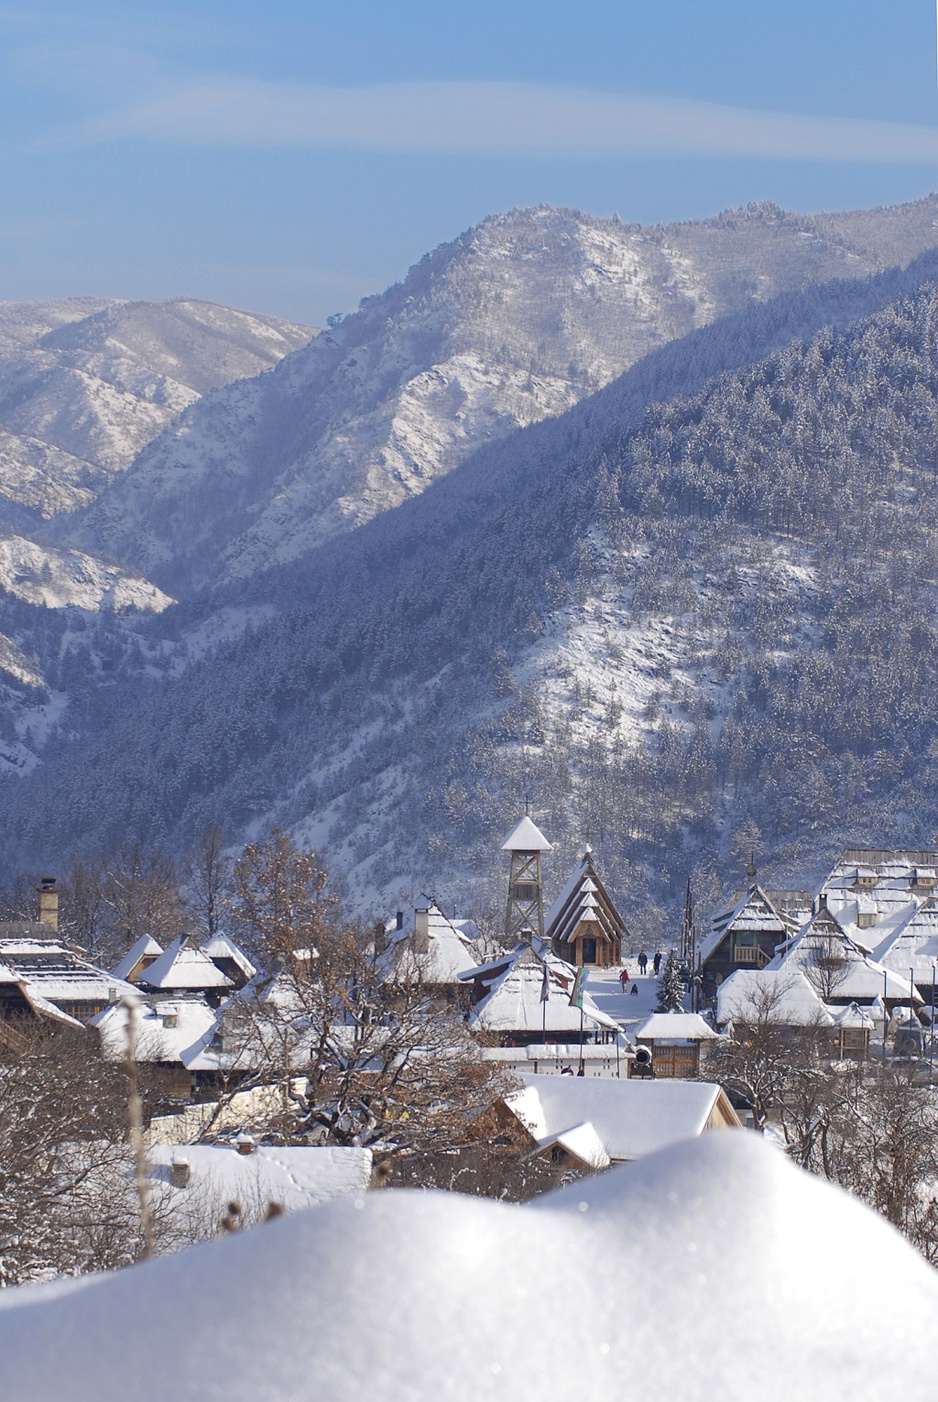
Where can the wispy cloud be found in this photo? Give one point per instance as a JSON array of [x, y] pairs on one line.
[[496, 119]]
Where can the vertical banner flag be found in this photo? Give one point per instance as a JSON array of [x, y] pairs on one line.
[[545, 986], [579, 987]]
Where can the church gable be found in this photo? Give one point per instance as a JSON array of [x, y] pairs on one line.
[[583, 924]]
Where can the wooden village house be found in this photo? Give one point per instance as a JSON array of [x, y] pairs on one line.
[[743, 935]]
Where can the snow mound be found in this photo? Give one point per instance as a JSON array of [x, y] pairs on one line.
[[714, 1269]]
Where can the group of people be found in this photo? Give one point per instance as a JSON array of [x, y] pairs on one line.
[[624, 978]]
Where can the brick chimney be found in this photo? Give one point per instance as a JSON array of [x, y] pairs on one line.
[[48, 902], [421, 932]]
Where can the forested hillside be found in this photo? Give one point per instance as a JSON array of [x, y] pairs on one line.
[[686, 629]]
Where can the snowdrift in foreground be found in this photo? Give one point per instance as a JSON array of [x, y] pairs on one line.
[[711, 1270]]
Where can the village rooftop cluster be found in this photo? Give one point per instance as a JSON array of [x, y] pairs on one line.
[[597, 1074]]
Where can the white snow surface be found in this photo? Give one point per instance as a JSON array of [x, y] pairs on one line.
[[407, 1295], [291, 1177]]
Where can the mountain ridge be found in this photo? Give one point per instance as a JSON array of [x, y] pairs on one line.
[[511, 322]]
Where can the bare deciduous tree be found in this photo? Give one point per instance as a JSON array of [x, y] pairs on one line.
[[208, 874], [757, 1060], [365, 1052], [826, 966], [879, 1139], [66, 1196], [280, 903]]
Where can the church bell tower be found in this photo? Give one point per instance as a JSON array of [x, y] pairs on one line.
[[525, 909]]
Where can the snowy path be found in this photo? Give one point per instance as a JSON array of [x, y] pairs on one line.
[[603, 987]]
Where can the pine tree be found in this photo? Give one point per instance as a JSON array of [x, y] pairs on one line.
[[671, 987]]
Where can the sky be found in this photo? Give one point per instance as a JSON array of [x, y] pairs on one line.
[[293, 157]]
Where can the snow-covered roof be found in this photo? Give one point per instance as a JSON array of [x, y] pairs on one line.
[[419, 1294], [900, 882], [853, 1016], [54, 972], [584, 899], [631, 1118], [526, 837], [563, 969], [222, 947], [291, 1177], [174, 1030], [449, 953], [782, 996], [912, 943], [858, 977], [141, 948], [583, 1142], [43, 1008], [678, 1027], [184, 965], [515, 1003]]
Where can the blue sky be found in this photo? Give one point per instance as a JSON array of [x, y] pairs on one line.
[[294, 157]]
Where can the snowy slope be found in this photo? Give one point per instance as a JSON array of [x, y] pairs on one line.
[[514, 321], [86, 384], [714, 1269], [65, 578]]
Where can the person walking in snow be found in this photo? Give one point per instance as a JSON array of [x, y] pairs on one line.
[[633, 991], [656, 962], [624, 978], [642, 962]]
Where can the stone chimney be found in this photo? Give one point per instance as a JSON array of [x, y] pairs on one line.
[[179, 1173], [422, 931], [48, 902]]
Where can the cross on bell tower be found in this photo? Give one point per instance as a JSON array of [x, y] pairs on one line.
[[525, 909]]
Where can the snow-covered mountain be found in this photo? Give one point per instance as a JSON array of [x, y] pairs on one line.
[[513, 322], [85, 384], [691, 617]]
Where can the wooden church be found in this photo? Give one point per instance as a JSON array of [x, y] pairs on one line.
[[583, 925]]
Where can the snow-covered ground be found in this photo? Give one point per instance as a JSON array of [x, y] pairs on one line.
[[713, 1270], [628, 1010]]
